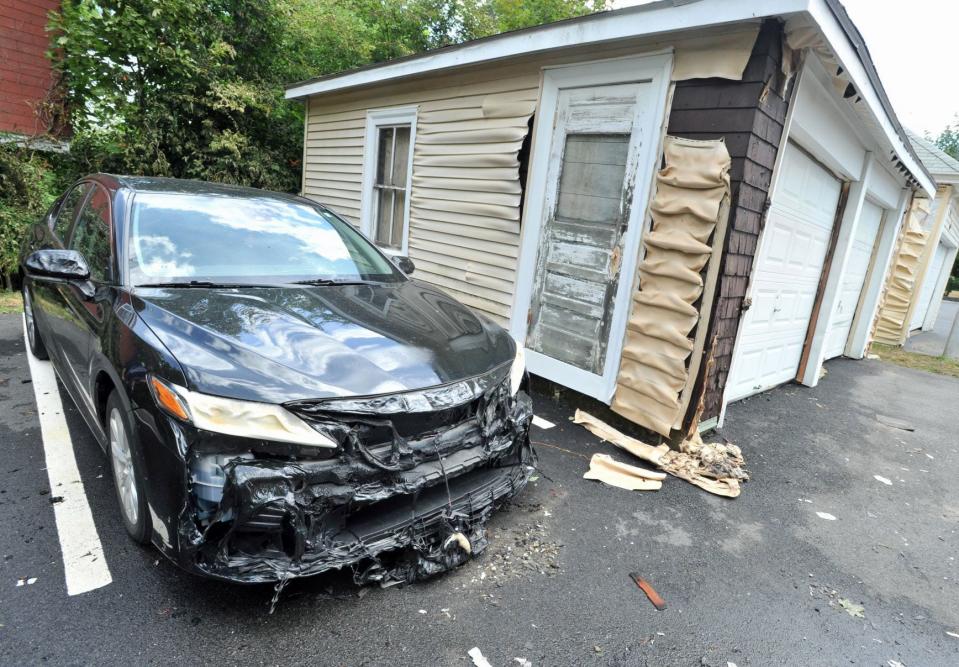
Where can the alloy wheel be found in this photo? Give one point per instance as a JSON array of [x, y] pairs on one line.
[[123, 467]]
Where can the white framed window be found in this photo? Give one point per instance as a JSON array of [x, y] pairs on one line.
[[387, 177]]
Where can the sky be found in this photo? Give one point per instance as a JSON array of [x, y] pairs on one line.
[[915, 47]]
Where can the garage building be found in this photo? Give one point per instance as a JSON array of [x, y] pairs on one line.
[[671, 206]]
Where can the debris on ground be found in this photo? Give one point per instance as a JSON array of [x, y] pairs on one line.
[[831, 595], [521, 550], [650, 592], [714, 467], [28, 581], [874, 357], [895, 423], [894, 663], [523, 662], [606, 469], [478, 659], [954, 635], [826, 515], [854, 610], [884, 480]]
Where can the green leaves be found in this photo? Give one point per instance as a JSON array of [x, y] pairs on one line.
[[194, 88]]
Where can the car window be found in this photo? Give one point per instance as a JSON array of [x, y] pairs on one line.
[[180, 237], [91, 234], [69, 209]]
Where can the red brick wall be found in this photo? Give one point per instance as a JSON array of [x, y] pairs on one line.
[[25, 73]]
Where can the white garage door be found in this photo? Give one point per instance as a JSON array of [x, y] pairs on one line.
[[786, 276], [853, 279], [928, 287]]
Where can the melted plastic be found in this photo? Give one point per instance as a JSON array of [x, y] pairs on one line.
[[403, 483]]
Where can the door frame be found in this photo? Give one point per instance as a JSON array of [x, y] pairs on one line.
[[656, 69]]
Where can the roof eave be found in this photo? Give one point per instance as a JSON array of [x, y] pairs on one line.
[[850, 50], [658, 17]]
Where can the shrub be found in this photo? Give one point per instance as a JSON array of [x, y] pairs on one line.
[[30, 181]]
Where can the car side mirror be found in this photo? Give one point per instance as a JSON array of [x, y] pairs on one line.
[[405, 263], [55, 263]]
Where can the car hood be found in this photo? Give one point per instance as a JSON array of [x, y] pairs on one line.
[[279, 344]]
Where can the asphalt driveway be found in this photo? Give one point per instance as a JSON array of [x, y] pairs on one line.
[[761, 580], [934, 342]]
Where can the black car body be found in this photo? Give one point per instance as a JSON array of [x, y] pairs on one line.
[[418, 404]]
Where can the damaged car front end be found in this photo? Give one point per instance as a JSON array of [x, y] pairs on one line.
[[277, 397], [401, 489]]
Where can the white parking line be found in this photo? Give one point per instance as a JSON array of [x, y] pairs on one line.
[[84, 566], [542, 423]]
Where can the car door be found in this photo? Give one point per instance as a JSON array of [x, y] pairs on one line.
[[84, 303], [48, 305]]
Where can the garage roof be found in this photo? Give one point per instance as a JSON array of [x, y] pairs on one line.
[[650, 19], [943, 167]]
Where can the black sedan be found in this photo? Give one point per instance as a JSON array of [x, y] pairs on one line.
[[276, 396]]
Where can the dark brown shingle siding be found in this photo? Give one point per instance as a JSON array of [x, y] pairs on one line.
[[752, 128]]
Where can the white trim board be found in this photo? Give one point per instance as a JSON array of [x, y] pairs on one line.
[[376, 118], [653, 68]]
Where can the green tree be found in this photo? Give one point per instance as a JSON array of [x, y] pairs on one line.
[[948, 139], [194, 88], [179, 88]]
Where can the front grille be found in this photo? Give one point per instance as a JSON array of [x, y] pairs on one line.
[[465, 414]]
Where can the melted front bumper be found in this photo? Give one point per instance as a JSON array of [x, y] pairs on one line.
[[278, 520]]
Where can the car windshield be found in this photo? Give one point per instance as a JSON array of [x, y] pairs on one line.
[[180, 238]]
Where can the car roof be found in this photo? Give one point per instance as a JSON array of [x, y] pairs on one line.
[[185, 186]]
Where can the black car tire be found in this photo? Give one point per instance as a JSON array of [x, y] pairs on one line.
[[126, 471], [33, 332]]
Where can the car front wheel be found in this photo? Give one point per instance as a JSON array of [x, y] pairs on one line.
[[125, 464], [33, 335]]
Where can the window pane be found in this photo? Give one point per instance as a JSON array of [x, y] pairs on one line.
[[384, 155], [384, 208], [401, 156], [68, 210], [177, 237], [591, 184], [399, 198], [91, 236]]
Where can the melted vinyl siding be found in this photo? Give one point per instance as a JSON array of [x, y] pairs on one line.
[[464, 213], [892, 324], [465, 206], [465, 200]]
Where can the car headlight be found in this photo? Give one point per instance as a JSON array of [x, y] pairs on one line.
[[518, 370], [246, 419]]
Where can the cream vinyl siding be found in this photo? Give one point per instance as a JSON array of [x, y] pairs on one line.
[[465, 205]]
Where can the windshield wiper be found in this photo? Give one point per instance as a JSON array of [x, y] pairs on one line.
[[205, 283], [328, 282]]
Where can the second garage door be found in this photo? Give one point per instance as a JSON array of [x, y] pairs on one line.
[[860, 256], [786, 276], [928, 289]]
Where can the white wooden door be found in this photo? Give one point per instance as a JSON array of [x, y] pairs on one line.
[[927, 291], [594, 168], [786, 276], [853, 279]]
